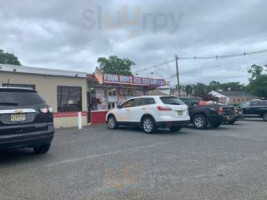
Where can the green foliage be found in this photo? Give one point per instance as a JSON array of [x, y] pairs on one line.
[[255, 71], [8, 58], [202, 90], [115, 65], [258, 86], [258, 81]]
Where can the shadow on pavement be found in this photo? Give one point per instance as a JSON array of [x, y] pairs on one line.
[[161, 131], [14, 156]]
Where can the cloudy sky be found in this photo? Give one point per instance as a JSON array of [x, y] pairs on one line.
[[67, 34]]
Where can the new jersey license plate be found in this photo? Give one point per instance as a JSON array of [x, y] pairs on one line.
[[17, 117]]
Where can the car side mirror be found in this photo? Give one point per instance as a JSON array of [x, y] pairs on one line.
[[119, 106]]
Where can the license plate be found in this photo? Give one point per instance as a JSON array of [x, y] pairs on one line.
[[180, 113], [17, 117]]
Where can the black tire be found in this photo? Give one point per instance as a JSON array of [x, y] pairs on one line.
[[42, 149], [231, 122], [176, 128], [216, 125], [200, 122], [148, 125], [112, 122], [265, 117]]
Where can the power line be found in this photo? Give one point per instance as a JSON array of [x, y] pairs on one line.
[[204, 58], [200, 76], [156, 66]]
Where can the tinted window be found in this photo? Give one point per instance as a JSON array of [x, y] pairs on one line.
[[144, 101], [255, 103], [245, 105], [149, 101], [20, 98], [138, 102], [171, 101], [262, 103], [186, 101], [69, 99], [130, 103]]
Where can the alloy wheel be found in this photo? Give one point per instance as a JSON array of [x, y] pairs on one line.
[[111, 123], [148, 125], [199, 122]]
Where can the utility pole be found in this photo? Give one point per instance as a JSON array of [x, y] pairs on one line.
[[178, 75]]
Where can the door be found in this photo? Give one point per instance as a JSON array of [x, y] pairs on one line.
[[124, 112], [245, 108]]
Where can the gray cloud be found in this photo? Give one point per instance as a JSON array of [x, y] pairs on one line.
[[73, 34]]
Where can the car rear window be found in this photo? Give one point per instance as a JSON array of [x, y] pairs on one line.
[[171, 101], [19, 98]]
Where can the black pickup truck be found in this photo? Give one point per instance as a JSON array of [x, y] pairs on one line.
[[253, 109], [203, 116]]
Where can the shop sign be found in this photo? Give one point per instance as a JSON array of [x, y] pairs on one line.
[[132, 80]]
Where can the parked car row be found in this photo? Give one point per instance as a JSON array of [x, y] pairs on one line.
[[27, 121], [153, 112]]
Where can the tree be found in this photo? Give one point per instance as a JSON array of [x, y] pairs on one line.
[[258, 81], [258, 86], [255, 71], [233, 86], [115, 65], [8, 58], [200, 90]]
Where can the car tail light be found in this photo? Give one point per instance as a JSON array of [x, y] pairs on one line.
[[220, 111], [162, 108], [46, 110]]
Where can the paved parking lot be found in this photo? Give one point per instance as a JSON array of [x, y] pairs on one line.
[[95, 163]]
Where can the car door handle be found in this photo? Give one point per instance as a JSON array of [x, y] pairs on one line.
[[127, 110]]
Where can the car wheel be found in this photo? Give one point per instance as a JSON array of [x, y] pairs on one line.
[[175, 128], [265, 116], [42, 149], [149, 125], [112, 122], [200, 122]]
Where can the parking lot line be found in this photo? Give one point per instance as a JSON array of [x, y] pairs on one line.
[[66, 161]]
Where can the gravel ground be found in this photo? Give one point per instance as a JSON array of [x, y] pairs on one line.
[[96, 163]]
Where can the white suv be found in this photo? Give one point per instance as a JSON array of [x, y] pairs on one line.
[[150, 112]]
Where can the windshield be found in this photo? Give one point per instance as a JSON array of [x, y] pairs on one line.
[[171, 101], [18, 98]]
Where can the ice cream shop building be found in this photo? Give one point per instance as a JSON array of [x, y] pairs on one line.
[[108, 90]]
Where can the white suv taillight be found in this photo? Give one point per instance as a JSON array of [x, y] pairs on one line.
[[46, 110], [163, 108]]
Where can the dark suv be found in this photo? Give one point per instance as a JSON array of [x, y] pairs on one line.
[[254, 109], [25, 120]]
